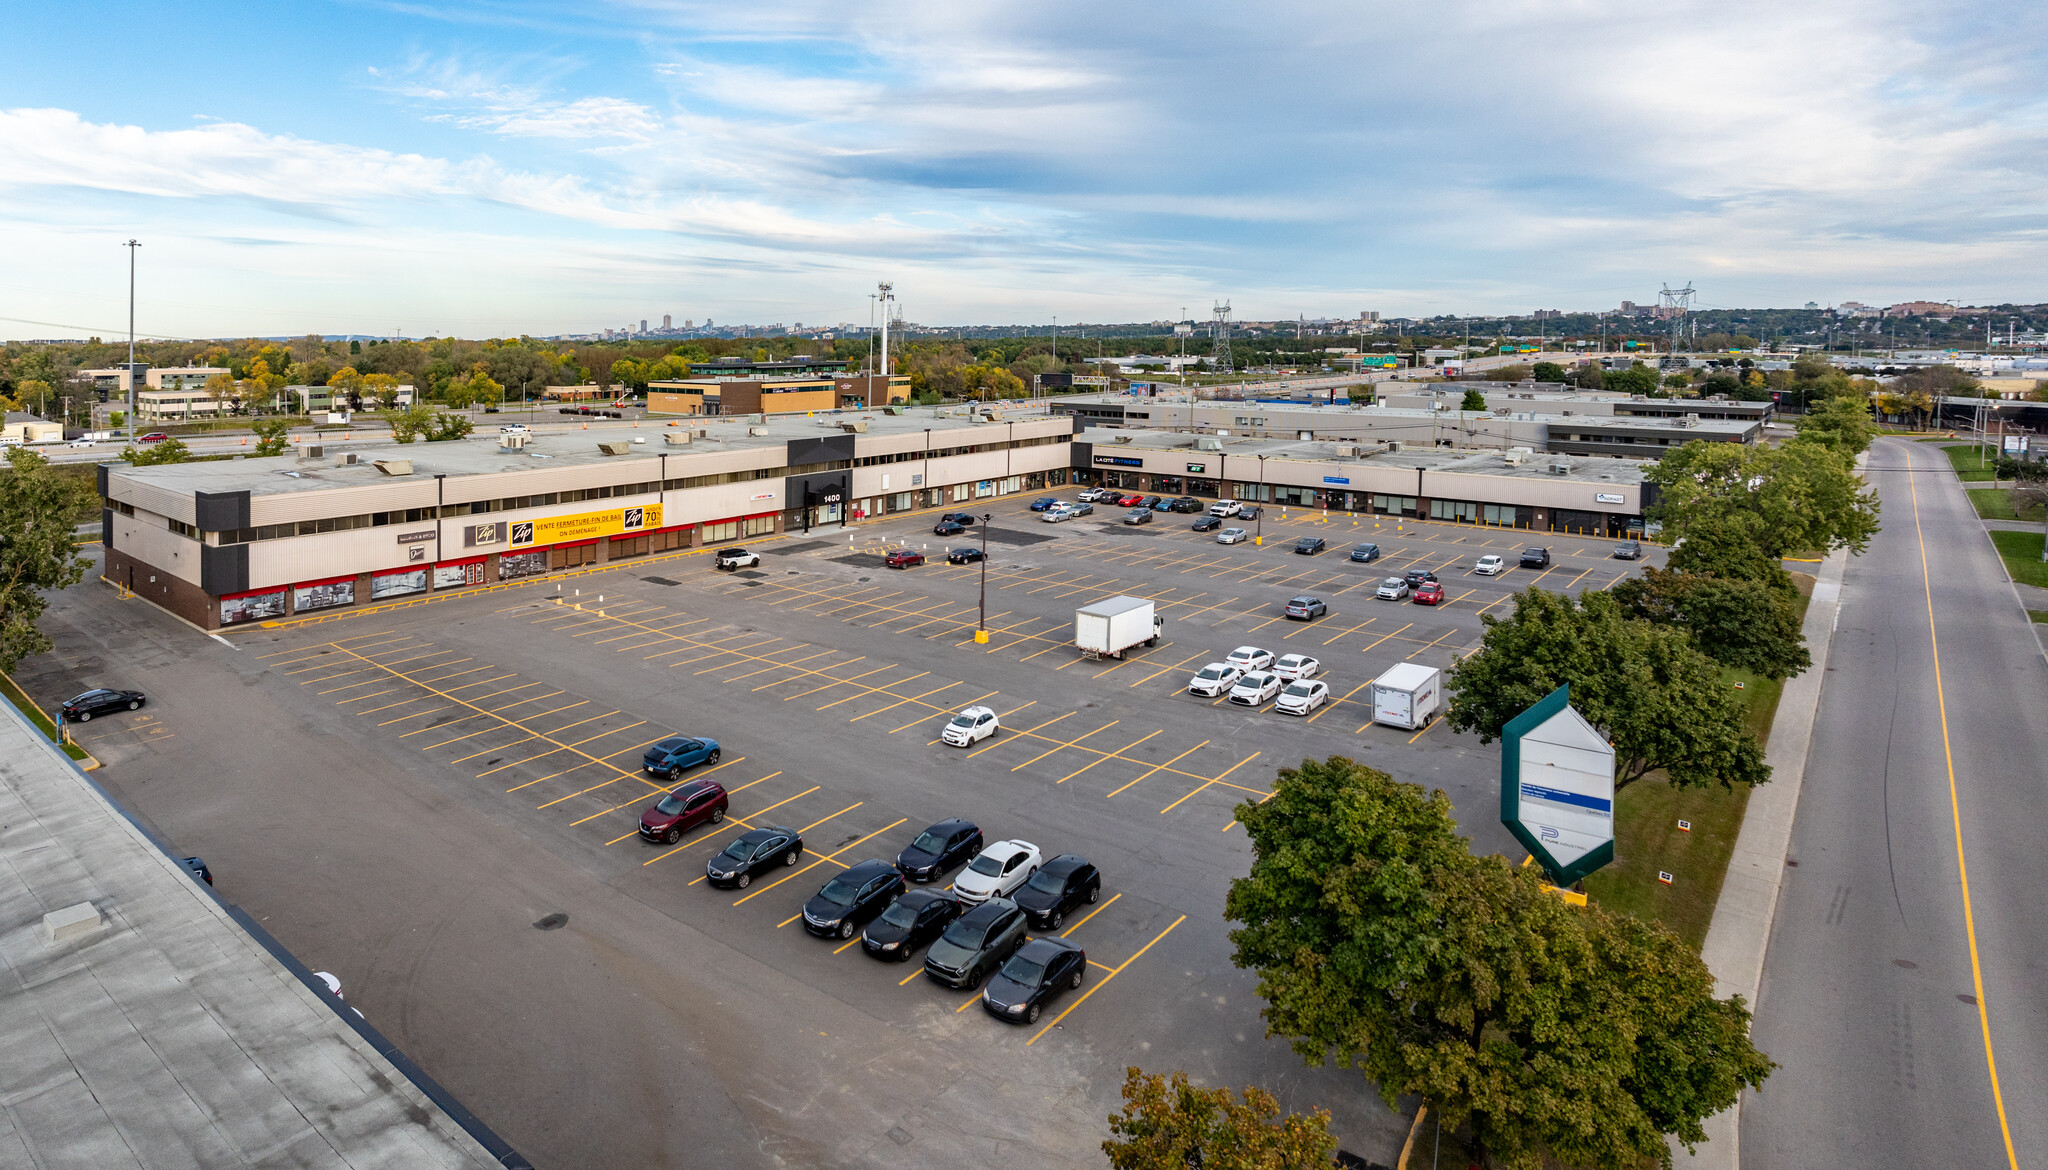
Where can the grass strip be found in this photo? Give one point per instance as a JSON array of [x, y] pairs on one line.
[[35, 715], [1970, 461], [2021, 552]]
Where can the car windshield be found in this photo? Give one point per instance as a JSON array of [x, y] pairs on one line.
[[670, 805], [987, 866], [838, 892], [1292, 660], [1022, 970], [739, 850], [900, 914], [929, 841], [1046, 881], [1302, 690], [669, 745], [963, 720], [948, 953], [1211, 672]]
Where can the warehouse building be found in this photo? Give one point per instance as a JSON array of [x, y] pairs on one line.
[[1516, 488], [789, 394], [222, 543]]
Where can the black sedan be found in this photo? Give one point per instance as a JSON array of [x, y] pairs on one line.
[[964, 519], [754, 851], [1059, 885], [1187, 504], [1535, 557], [963, 556], [852, 899], [914, 920], [102, 702], [1309, 546], [1208, 524], [1037, 973], [943, 846], [948, 527]]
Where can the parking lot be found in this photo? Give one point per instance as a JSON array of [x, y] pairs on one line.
[[504, 730]]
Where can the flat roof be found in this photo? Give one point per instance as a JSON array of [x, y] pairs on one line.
[[167, 1034], [1466, 461], [480, 454], [1401, 414]]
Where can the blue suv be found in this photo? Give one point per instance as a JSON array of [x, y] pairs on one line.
[[668, 758]]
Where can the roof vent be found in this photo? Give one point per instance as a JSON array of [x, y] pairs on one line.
[[857, 427], [515, 441], [616, 446], [757, 430], [347, 459], [676, 438], [395, 466], [312, 451]]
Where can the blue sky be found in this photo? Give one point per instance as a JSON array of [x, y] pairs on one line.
[[489, 167]]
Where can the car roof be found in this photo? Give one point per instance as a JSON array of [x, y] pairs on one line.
[[987, 912], [756, 836], [1256, 674], [1065, 863], [1303, 597], [1039, 950], [873, 867], [977, 709], [1012, 846], [1253, 649], [674, 741], [925, 896], [695, 788], [1294, 654], [949, 824]]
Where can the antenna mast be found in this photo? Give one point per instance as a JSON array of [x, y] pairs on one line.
[[1219, 330]]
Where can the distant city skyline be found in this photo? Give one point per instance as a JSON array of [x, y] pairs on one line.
[[488, 169]]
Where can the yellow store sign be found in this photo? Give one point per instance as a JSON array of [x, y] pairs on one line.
[[585, 525]]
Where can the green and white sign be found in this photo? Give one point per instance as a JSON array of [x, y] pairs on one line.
[[1557, 788]]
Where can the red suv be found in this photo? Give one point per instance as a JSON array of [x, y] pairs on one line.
[[153, 437], [699, 802], [1429, 593], [903, 558]]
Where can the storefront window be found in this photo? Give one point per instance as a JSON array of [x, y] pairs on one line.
[[398, 584], [251, 607], [512, 566], [1394, 505], [323, 595], [1459, 511]]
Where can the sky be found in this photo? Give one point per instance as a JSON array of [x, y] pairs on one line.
[[497, 167]]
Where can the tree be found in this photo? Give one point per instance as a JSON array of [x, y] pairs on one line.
[[1841, 423], [37, 554], [1661, 702], [1547, 372], [1380, 939], [421, 421], [1806, 495], [167, 451], [1637, 379], [477, 389], [346, 385], [1736, 622], [222, 389], [1173, 1125], [1728, 546], [261, 386], [383, 388], [1474, 400], [272, 436]]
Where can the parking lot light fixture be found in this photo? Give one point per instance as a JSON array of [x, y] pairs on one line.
[[981, 624], [1259, 517]]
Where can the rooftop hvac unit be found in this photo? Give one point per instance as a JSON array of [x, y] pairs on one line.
[[757, 430], [1516, 456], [859, 427], [1566, 413], [347, 459], [1125, 438], [1561, 467], [676, 438], [616, 446], [395, 466], [1206, 443], [1352, 450], [312, 451], [512, 442], [1692, 420], [1393, 444]]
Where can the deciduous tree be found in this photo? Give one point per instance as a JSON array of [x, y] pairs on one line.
[[1658, 700], [166, 451], [1806, 495], [1841, 423], [1173, 1125], [1380, 939], [37, 553], [273, 436], [1734, 621]]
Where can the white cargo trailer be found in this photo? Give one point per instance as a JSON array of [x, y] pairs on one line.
[[1108, 628], [1407, 696]]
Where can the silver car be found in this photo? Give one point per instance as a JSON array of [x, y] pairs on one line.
[[1232, 536], [1393, 589]]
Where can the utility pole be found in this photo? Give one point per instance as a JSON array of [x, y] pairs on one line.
[[882, 298], [131, 246], [981, 627]]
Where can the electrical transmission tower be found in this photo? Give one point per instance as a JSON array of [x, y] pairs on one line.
[[1675, 303], [1219, 329]]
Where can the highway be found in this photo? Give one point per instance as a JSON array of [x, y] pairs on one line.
[[1905, 992]]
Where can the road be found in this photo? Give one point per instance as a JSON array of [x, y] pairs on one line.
[[1903, 990]]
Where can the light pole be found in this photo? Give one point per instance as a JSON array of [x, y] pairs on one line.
[[131, 246], [1259, 517], [981, 623]]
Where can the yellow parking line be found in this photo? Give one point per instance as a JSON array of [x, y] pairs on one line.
[[371, 695], [1125, 748], [350, 686], [836, 681], [602, 759], [1014, 710], [939, 711], [403, 718], [1161, 767], [1205, 784], [1423, 732], [800, 832], [997, 742], [1064, 746], [1332, 704], [1164, 669], [1091, 914], [866, 691], [914, 698], [1103, 982]]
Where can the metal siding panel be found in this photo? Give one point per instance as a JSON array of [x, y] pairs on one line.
[[223, 568]]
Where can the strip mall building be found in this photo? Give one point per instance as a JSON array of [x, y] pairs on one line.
[[223, 543]]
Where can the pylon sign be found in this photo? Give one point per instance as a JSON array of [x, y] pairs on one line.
[[1557, 788]]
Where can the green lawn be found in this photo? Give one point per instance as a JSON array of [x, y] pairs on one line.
[[1647, 838], [1996, 504], [2021, 552], [1970, 462], [27, 706]]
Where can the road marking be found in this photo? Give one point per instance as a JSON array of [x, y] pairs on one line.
[[996, 741], [1099, 759], [1067, 744], [1218, 780], [1091, 914], [1159, 767], [1103, 982], [1956, 817], [832, 856]]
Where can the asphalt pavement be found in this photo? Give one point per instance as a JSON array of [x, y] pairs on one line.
[[1903, 993]]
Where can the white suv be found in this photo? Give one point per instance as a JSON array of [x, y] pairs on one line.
[[1225, 508], [1490, 566]]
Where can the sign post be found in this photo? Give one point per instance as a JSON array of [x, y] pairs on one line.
[[1557, 788]]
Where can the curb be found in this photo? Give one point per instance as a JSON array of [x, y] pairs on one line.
[[1741, 930]]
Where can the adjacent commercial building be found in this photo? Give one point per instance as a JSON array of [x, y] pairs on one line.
[[1549, 493], [253, 539], [23, 427], [784, 394]]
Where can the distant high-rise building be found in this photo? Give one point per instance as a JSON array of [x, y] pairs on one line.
[[665, 326], [1812, 305], [689, 324], [643, 324], [1368, 317]]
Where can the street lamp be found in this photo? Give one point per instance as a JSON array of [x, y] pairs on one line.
[[981, 626], [1259, 516]]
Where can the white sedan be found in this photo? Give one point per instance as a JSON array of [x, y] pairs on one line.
[[1301, 697], [1297, 666], [1255, 688], [1250, 658], [1225, 508], [1490, 566], [997, 873], [1232, 536], [1214, 679], [1392, 589], [971, 726]]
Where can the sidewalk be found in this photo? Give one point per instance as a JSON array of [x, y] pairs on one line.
[[1741, 930]]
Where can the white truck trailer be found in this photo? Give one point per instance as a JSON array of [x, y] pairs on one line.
[[1108, 628], [1407, 696]]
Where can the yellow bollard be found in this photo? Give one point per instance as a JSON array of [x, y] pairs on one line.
[[981, 637]]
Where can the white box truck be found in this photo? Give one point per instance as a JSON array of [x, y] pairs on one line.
[[1407, 696], [1108, 628]]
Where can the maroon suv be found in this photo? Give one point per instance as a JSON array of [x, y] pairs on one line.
[[903, 558], [697, 803]]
